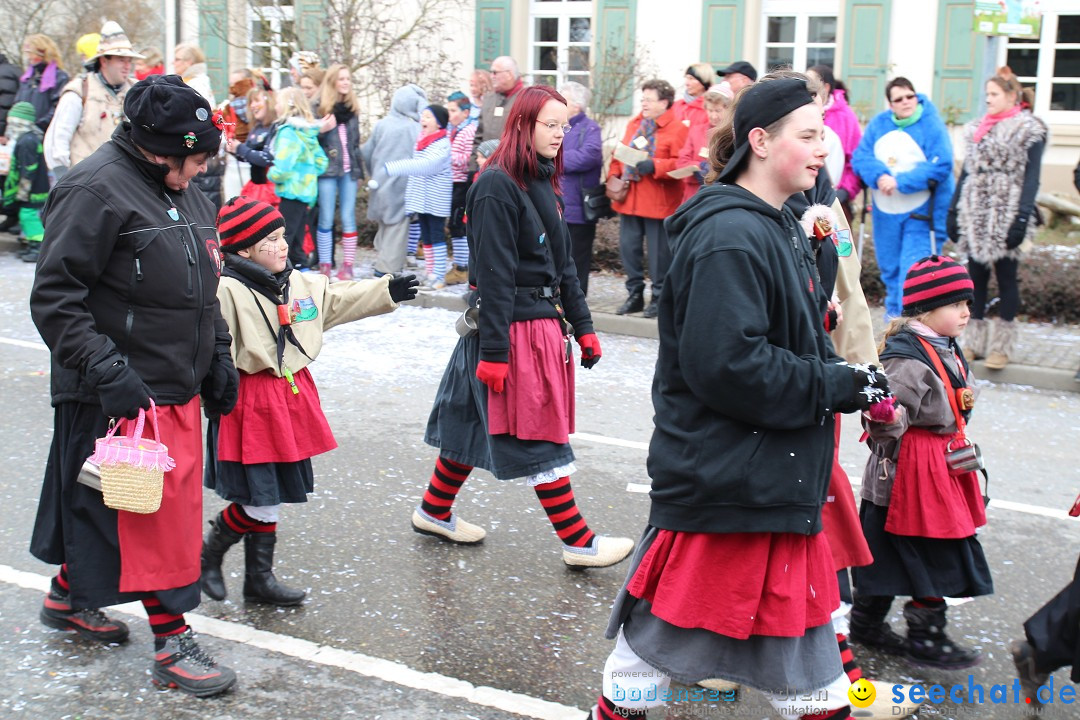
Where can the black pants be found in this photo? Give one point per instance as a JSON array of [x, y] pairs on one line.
[[582, 236], [1006, 270], [295, 213], [1054, 631]]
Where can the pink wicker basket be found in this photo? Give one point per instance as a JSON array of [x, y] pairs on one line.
[[133, 467]]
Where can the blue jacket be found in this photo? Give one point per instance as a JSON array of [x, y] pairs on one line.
[[298, 161], [931, 135], [583, 156]]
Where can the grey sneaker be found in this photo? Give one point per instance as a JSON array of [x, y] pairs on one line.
[[180, 663], [1030, 678]]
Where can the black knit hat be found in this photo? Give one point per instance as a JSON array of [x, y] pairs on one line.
[[242, 222], [442, 115], [935, 282], [170, 118]]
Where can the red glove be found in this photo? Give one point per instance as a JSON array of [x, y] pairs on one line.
[[492, 374], [590, 350]]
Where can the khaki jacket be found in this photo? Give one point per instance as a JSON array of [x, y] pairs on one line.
[[102, 113], [314, 306], [854, 336]]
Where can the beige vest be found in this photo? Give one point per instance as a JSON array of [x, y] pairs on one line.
[[102, 113]]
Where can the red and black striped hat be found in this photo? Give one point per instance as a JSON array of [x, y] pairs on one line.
[[242, 222], [934, 282]]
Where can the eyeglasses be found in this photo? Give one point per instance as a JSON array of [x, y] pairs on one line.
[[902, 98], [496, 72], [552, 126]]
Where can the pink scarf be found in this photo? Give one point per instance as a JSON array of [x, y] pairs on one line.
[[989, 121]]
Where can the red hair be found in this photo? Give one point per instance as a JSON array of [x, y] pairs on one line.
[[516, 154]]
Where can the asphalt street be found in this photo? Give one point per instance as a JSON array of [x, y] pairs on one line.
[[398, 625]]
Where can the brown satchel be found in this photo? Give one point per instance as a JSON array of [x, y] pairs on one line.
[[617, 188]]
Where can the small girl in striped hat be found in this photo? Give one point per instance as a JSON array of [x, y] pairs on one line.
[[919, 515], [259, 455]]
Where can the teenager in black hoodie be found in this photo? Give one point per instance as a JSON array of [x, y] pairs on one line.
[[733, 577]]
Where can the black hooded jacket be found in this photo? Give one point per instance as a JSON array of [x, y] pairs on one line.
[[746, 379], [128, 269], [9, 85]]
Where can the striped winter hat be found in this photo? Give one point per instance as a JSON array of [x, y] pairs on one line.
[[242, 222], [23, 111], [934, 282]]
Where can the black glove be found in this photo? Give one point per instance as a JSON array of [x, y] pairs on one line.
[[952, 226], [868, 386], [1017, 233], [122, 392], [699, 177], [220, 386], [646, 167], [403, 287]]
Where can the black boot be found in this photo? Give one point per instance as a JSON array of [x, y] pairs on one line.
[[634, 303], [869, 628], [929, 645], [219, 538], [10, 221], [33, 249], [260, 585]]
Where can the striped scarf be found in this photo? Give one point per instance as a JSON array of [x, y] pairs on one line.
[[647, 130]]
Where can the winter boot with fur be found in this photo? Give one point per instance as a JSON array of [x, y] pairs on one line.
[[217, 542], [1001, 344], [974, 339], [929, 645], [260, 585], [869, 628]]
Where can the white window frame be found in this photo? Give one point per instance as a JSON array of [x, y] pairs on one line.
[[802, 12], [1044, 75], [273, 12], [562, 10]]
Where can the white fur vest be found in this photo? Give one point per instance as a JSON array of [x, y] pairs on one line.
[[990, 195]]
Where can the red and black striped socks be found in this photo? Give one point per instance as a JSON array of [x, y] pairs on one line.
[[443, 488], [561, 508], [240, 522], [854, 672], [60, 585], [162, 622], [606, 710]]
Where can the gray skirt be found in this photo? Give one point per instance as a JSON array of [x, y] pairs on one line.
[[458, 425], [690, 655]]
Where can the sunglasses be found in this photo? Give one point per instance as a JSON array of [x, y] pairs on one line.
[[902, 98]]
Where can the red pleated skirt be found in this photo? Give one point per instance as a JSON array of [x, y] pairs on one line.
[[537, 402], [840, 517], [271, 424], [739, 584], [928, 501]]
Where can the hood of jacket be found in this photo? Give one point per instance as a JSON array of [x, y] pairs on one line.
[[708, 201], [409, 101], [304, 128]]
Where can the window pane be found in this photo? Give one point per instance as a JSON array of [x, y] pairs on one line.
[[1067, 63], [582, 78], [1068, 29], [550, 80], [546, 58], [822, 30], [260, 31], [579, 58], [820, 56], [1065, 97], [261, 56], [581, 30], [775, 57], [1024, 61], [547, 30], [781, 29]]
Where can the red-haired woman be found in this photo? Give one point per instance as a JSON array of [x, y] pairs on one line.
[[506, 401]]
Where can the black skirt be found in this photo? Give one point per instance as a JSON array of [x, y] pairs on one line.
[[74, 526], [458, 425], [919, 567], [258, 484]]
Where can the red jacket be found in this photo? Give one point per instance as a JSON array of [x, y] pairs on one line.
[[654, 196], [692, 113], [697, 141]]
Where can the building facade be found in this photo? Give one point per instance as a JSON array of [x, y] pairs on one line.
[[931, 42]]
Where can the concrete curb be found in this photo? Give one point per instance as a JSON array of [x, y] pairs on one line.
[[1030, 375]]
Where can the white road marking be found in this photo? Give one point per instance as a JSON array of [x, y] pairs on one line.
[[604, 440], [25, 344], [358, 663]]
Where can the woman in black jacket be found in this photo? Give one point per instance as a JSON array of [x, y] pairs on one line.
[[745, 390], [125, 296], [506, 401]]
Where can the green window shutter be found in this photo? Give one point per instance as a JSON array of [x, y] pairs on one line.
[[213, 16], [613, 78], [722, 32], [310, 25], [958, 64], [492, 30], [866, 54]]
